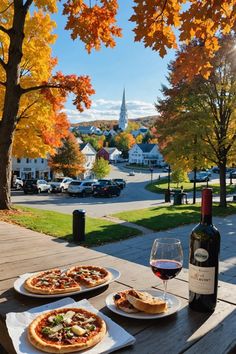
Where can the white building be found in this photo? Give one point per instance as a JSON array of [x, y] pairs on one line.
[[90, 157], [145, 154], [28, 168], [123, 121]]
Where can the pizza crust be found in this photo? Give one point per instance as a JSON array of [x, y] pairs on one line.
[[42, 344]]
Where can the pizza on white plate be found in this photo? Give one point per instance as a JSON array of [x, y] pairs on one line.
[[53, 281], [89, 276], [66, 330]]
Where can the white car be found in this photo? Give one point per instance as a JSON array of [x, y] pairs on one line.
[[82, 188], [60, 184], [132, 173], [18, 183]]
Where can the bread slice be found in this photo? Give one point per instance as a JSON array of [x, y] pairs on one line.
[[145, 302], [120, 300]]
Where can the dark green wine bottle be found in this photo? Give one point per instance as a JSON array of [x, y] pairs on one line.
[[204, 259]]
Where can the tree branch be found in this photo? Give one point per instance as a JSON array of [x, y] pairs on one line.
[[162, 10], [5, 30], [2, 12], [3, 64], [40, 87], [24, 111], [27, 4]]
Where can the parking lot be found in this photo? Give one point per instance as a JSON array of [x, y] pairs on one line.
[[134, 196]]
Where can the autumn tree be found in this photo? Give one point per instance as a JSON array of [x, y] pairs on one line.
[[97, 142], [197, 123], [204, 21], [139, 139], [132, 125], [68, 160], [179, 176], [101, 168], [124, 141], [31, 94]]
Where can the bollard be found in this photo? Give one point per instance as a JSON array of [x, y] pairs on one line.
[[79, 225], [167, 196]]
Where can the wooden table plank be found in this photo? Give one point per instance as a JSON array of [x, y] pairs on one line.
[[184, 332]]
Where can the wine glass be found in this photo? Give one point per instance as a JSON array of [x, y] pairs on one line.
[[166, 259]]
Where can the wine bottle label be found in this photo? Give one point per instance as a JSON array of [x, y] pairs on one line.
[[201, 255], [201, 279]]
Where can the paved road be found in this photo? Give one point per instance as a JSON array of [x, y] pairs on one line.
[[134, 196]]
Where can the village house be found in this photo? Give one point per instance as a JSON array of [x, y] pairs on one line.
[[145, 154], [90, 157], [109, 154]]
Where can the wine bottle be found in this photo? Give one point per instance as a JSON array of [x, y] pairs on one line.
[[204, 259]]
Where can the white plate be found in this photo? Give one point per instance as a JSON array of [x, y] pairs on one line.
[[174, 305], [19, 285]]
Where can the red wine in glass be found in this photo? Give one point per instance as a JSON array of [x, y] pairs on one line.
[[166, 259], [166, 269]]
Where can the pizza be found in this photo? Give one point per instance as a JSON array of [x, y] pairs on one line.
[[89, 276], [53, 281], [66, 330]]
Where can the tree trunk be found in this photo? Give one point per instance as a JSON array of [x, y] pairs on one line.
[[11, 101], [6, 167], [222, 167]]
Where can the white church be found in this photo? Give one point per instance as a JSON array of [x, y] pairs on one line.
[[123, 121]]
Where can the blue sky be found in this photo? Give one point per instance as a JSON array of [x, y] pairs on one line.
[[140, 70]]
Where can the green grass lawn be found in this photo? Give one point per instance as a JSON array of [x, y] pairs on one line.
[[98, 231], [163, 218], [162, 184]]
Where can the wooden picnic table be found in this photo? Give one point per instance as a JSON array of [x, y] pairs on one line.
[[183, 332]]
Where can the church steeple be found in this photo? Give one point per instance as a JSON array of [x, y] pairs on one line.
[[123, 121]]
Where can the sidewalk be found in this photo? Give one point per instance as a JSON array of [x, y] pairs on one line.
[[138, 249]]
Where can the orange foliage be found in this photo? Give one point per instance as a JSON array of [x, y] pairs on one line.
[[203, 21], [80, 86], [93, 24]]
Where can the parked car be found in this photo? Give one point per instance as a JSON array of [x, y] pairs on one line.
[[106, 188], [60, 184], [215, 169], [166, 169], [208, 172], [200, 177], [120, 182], [131, 173], [82, 188], [232, 174], [18, 183], [36, 186]]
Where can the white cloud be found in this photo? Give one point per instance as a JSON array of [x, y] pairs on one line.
[[102, 109]]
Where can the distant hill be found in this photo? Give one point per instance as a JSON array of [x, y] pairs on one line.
[[108, 124]]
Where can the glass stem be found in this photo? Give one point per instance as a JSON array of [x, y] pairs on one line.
[[165, 289]]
